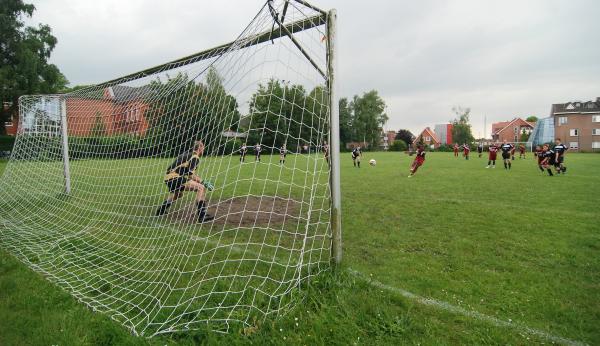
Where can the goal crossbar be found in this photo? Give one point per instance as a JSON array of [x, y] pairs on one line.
[[290, 28]]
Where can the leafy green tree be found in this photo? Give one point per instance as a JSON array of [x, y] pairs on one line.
[[98, 128], [524, 136], [461, 128], [532, 119], [398, 145], [189, 111], [24, 54], [346, 122], [405, 135], [369, 117]]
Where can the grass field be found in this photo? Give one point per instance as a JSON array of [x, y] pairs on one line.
[[517, 246]]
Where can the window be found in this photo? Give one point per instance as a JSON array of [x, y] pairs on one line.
[[516, 139], [562, 120], [574, 132], [595, 145], [596, 132], [596, 118], [574, 145], [427, 139], [569, 107], [8, 123]]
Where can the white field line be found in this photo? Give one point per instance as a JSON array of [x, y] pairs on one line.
[[469, 313]]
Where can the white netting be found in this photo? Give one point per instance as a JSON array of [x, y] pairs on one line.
[[157, 274]]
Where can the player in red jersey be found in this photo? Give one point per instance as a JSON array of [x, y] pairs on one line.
[[539, 154], [512, 152], [493, 152], [419, 160], [466, 150], [521, 151], [455, 149]]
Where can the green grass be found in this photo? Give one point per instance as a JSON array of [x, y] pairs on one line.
[[514, 245]]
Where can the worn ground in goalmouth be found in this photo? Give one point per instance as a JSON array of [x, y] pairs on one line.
[[458, 254]]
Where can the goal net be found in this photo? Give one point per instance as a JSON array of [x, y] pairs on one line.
[[108, 194]]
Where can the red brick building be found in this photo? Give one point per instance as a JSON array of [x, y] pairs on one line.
[[429, 138], [511, 131], [577, 124], [12, 124], [121, 109]]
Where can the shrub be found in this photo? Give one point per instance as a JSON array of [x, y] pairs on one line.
[[398, 145]]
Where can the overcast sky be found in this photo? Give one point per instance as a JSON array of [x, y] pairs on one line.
[[502, 58]]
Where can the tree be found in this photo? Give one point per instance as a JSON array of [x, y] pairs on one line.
[[524, 136], [398, 145], [24, 54], [369, 117], [98, 128], [405, 135], [461, 128], [532, 119], [188, 111], [346, 121]]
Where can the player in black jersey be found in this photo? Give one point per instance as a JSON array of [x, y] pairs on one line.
[[356, 154], [257, 150], [243, 151], [549, 159], [282, 154], [506, 151], [326, 152], [479, 149], [181, 176], [559, 151]]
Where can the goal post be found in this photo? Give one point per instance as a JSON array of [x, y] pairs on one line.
[[246, 132]]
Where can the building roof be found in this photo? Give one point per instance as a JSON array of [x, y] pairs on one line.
[[427, 131], [501, 126], [576, 107], [123, 93]]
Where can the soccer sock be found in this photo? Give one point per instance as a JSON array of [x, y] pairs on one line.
[[202, 215], [509, 165], [358, 164], [505, 166], [489, 162], [541, 168], [550, 171], [163, 208]]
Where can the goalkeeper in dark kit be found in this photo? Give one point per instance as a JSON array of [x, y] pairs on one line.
[[181, 177]]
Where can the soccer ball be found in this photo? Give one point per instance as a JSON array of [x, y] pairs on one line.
[[372, 162]]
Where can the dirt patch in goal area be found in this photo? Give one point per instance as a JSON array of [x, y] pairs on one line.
[[244, 211]]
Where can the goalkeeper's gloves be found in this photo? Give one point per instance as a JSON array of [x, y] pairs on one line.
[[208, 185]]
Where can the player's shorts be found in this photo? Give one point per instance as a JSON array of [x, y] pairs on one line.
[[479, 150], [540, 159], [561, 159], [176, 184], [419, 161], [357, 158], [492, 156], [505, 156]]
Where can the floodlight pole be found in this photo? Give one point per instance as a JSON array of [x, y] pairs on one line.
[[65, 144], [334, 141]]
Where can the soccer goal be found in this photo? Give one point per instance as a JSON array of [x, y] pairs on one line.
[[109, 192]]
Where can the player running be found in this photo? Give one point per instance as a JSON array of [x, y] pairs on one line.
[[479, 149], [539, 154], [521, 151], [181, 176], [493, 152], [455, 149], [257, 150], [466, 150], [282, 154], [243, 152], [506, 148], [549, 159], [356, 154], [559, 150], [512, 152], [418, 161]]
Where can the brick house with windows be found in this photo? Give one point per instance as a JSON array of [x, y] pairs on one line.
[[120, 108], [577, 124], [429, 138], [511, 131]]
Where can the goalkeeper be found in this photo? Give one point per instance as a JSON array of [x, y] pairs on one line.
[[181, 177]]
